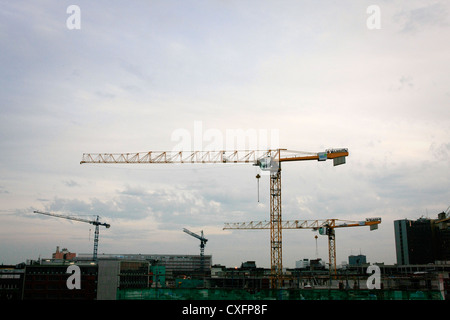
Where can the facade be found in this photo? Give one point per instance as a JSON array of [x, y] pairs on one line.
[[11, 282], [421, 241], [115, 274], [413, 241], [48, 281], [175, 265], [302, 264], [64, 254], [313, 264], [357, 260], [116, 279]]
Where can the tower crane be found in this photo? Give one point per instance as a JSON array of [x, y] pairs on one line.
[[95, 222], [325, 227], [203, 241], [267, 160]]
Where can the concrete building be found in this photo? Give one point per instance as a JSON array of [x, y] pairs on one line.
[[116, 274], [302, 264], [175, 265]]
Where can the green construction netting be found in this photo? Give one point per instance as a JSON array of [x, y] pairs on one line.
[[281, 294]]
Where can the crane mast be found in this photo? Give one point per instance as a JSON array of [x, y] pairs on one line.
[[267, 160], [95, 222], [203, 241]]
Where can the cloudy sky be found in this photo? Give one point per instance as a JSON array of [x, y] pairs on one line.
[[155, 75]]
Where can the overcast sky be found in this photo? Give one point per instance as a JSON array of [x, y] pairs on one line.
[[120, 76]]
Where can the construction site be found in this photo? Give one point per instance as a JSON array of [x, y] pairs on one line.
[[192, 277], [224, 150], [418, 275], [267, 160]]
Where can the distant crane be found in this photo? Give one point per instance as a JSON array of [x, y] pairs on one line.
[[203, 241], [444, 216], [325, 227], [95, 222], [267, 160]]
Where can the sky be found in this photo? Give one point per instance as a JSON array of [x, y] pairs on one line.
[[115, 77]]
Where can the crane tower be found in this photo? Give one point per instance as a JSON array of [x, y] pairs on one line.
[[267, 160], [95, 222], [203, 241]]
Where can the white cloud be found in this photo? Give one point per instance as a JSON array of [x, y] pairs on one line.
[[419, 19]]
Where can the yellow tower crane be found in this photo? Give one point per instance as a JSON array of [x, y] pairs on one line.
[[267, 160], [325, 227]]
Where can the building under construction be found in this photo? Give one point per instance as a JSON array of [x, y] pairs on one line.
[[175, 266], [181, 277], [184, 277]]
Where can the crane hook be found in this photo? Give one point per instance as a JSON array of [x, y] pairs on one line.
[[257, 179]]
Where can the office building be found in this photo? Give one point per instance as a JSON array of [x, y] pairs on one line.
[[422, 241], [357, 260], [414, 241], [175, 265], [49, 281]]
